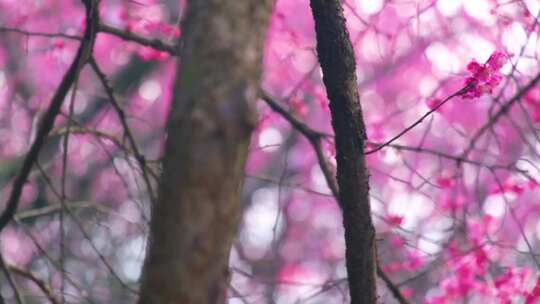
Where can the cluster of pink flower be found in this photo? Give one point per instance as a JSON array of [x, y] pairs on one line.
[[148, 53], [465, 281], [485, 77], [534, 294], [516, 187]]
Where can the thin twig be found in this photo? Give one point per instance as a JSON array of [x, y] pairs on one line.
[[129, 36], [99, 254], [47, 122], [516, 220], [63, 197], [39, 34], [52, 209], [503, 110], [89, 239], [456, 158], [127, 131], [18, 297], [394, 289], [419, 121], [44, 287], [95, 132], [314, 137]]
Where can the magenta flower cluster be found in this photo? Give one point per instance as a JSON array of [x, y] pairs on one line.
[[485, 77]]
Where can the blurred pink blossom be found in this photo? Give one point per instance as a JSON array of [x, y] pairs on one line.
[[485, 77]]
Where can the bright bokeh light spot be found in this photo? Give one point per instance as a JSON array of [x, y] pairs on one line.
[[529, 167], [532, 42], [131, 257], [130, 212], [318, 180], [429, 244], [260, 221], [480, 9], [522, 243], [425, 24], [420, 206], [370, 6], [304, 61], [442, 58], [495, 206], [533, 6], [370, 49], [448, 7], [476, 47], [427, 86], [270, 139], [413, 207], [514, 38], [538, 230], [391, 156], [435, 232], [2, 79], [150, 90], [81, 101]]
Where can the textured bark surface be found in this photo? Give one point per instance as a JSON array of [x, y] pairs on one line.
[[213, 113], [338, 64]]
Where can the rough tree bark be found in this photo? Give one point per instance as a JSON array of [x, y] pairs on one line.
[[338, 64], [212, 115]]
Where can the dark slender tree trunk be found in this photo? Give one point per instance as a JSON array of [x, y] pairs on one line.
[[213, 113], [338, 64]]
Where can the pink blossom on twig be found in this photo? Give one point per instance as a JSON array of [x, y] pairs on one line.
[[485, 77]]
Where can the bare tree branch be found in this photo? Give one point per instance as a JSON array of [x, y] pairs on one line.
[[394, 289], [503, 110], [39, 34], [314, 137], [420, 120], [11, 281], [43, 286], [127, 131], [83, 54], [129, 36]]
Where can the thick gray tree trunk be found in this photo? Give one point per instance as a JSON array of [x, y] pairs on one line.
[[213, 113]]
